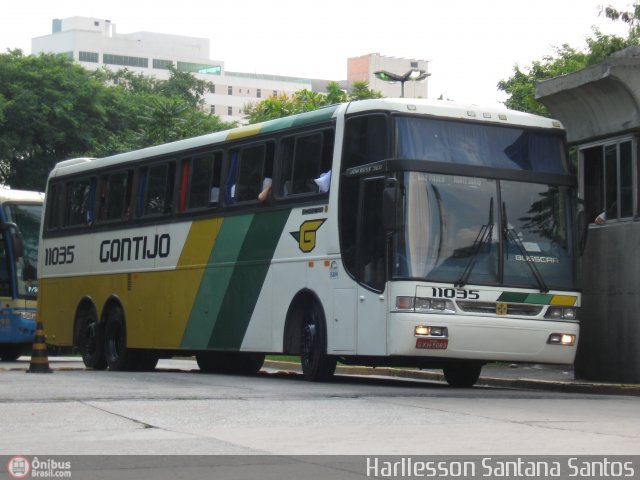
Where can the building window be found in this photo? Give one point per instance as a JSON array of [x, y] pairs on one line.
[[88, 57], [213, 109], [608, 181], [275, 93], [229, 90], [213, 88], [414, 64], [230, 111], [199, 68], [110, 59], [162, 64], [259, 93]]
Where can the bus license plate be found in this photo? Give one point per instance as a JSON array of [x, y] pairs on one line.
[[432, 343]]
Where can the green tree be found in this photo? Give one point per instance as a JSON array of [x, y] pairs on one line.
[[360, 90], [521, 86], [52, 109], [305, 101]]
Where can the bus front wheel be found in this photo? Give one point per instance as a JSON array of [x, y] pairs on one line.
[[316, 364], [462, 375]]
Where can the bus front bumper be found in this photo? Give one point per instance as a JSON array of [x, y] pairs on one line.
[[482, 338], [15, 328]]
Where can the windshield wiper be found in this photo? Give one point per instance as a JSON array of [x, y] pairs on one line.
[[511, 234], [484, 235]]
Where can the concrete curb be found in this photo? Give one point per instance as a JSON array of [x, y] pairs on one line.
[[569, 386]]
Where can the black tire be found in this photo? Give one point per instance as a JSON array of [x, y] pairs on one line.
[[236, 363], [317, 366], [117, 355], [10, 353], [212, 362], [462, 375], [246, 363], [146, 360], [88, 339]]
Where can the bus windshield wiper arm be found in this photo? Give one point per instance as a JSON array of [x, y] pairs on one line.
[[511, 234], [484, 235]]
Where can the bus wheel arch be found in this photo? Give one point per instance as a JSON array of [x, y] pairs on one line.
[[306, 334], [88, 335]]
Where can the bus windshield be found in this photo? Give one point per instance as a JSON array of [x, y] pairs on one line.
[[484, 231], [27, 217], [479, 144]]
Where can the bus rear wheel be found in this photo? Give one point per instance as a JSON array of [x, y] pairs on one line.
[[463, 374], [240, 363], [316, 364], [118, 356], [89, 340]]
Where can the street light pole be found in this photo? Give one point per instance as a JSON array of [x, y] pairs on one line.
[[413, 75]]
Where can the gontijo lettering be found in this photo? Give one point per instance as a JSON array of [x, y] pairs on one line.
[[135, 248]]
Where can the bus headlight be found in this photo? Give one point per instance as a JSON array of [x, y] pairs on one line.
[[564, 313], [423, 305], [26, 314], [427, 331], [562, 339]]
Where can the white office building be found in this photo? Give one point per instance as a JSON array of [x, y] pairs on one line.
[[94, 43]]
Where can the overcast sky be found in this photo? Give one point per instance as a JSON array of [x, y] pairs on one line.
[[470, 44]]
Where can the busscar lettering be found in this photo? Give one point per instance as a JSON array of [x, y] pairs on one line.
[[135, 248]]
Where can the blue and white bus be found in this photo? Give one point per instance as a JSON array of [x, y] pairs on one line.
[[20, 214]]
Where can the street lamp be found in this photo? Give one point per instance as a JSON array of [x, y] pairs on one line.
[[413, 75]]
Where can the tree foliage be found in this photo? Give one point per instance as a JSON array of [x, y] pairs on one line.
[[521, 86], [305, 101], [52, 109]]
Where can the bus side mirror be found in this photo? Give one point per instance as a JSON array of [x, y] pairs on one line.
[[392, 207], [16, 239]]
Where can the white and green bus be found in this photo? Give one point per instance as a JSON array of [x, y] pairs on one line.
[[20, 214], [393, 232]]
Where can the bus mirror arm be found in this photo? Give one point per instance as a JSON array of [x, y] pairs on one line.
[[582, 227], [392, 206], [16, 239]]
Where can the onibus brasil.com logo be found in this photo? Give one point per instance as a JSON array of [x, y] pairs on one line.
[[21, 467]]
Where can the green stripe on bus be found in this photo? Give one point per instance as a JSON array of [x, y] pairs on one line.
[[513, 297], [247, 279], [215, 281]]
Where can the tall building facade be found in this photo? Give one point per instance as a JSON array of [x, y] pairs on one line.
[[94, 43], [364, 68]]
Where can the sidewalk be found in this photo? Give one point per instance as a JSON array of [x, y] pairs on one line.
[[558, 378]]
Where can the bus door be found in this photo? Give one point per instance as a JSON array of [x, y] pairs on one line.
[[371, 264]]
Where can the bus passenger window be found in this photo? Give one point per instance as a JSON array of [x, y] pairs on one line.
[[80, 204], [255, 167], [55, 200], [158, 195], [306, 163], [115, 196], [204, 186]]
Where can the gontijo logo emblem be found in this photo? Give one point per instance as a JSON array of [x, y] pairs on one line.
[[306, 236]]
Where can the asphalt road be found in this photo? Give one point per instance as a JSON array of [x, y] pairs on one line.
[[178, 410]]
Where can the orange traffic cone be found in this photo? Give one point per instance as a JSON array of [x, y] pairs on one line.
[[39, 358]]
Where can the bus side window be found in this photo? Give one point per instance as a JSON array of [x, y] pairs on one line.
[[305, 159], [158, 194], [55, 209], [117, 196], [255, 167], [204, 182], [5, 285], [80, 202]]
